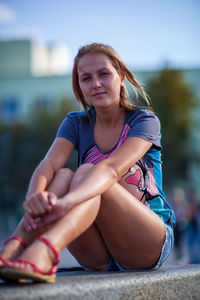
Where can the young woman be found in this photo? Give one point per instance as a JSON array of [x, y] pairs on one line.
[[111, 213]]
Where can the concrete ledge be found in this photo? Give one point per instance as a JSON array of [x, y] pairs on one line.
[[173, 282]]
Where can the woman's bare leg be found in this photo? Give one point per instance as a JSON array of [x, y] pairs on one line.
[[134, 234], [130, 231], [126, 228], [61, 233], [89, 248], [65, 230], [59, 185]]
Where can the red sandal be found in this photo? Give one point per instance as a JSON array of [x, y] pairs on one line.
[[5, 261], [19, 239], [12, 272]]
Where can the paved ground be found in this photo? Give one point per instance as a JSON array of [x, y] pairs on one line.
[[177, 282]]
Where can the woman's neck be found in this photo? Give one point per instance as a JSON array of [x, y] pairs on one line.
[[110, 117]]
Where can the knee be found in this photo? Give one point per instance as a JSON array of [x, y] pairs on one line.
[[64, 173], [84, 168], [81, 173]]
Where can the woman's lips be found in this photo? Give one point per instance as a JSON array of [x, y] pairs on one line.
[[99, 94]]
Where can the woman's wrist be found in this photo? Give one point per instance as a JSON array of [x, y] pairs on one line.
[[29, 194], [67, 202]]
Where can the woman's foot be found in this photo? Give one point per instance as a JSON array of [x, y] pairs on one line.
[[12, 248], [38, 254], [38, 263]]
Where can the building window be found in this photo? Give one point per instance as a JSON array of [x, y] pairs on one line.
[[9, 109], [43, 104]]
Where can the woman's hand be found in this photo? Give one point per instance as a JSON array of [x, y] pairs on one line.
[[40, 213], [61, 207], [29, 223], [39, 203]]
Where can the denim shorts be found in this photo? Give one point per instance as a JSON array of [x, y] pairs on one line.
[[113, 264]]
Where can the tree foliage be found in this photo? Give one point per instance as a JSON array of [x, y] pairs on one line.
[[173, 101]]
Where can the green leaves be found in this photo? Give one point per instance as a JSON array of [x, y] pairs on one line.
[[173, 101]]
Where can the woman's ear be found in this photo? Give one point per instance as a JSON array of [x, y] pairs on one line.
[[122, 79]]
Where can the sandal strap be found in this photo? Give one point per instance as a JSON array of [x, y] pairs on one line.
[[49, 244], [17, 238], [12, 264], [3, 260]]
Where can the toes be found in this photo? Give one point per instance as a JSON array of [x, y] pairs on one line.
[[15, 264], [21, 265]]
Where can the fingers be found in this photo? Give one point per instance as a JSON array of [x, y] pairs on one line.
[[46, 220], [40, 203], [29, 223], [58, 210], [42, 209], [52, 199]]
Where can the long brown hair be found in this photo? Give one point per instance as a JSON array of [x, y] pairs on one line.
[[122, 70]]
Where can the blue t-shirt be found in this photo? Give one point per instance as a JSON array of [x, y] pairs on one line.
[[78, 128]]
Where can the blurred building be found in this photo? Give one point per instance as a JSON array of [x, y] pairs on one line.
[[31, 75], [34, 76]]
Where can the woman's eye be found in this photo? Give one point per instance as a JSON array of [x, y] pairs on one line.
[[85, 78], [104, 74]]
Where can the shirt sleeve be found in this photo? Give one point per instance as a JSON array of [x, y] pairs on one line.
[[69, 129], [146, 125]]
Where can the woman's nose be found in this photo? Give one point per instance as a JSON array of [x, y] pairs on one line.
[[96, 83]]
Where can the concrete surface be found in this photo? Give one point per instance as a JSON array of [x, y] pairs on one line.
[[170, 282]]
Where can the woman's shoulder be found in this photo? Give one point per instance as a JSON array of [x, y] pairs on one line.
[[77, 114], [140, 114], [81, 114]]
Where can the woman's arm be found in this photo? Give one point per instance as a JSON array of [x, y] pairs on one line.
[[55, 159], [106, 173], [100, 178]]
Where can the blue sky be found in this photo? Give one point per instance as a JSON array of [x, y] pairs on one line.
[[146, 33]]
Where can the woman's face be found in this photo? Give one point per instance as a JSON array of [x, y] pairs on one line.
[[99, 81]]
